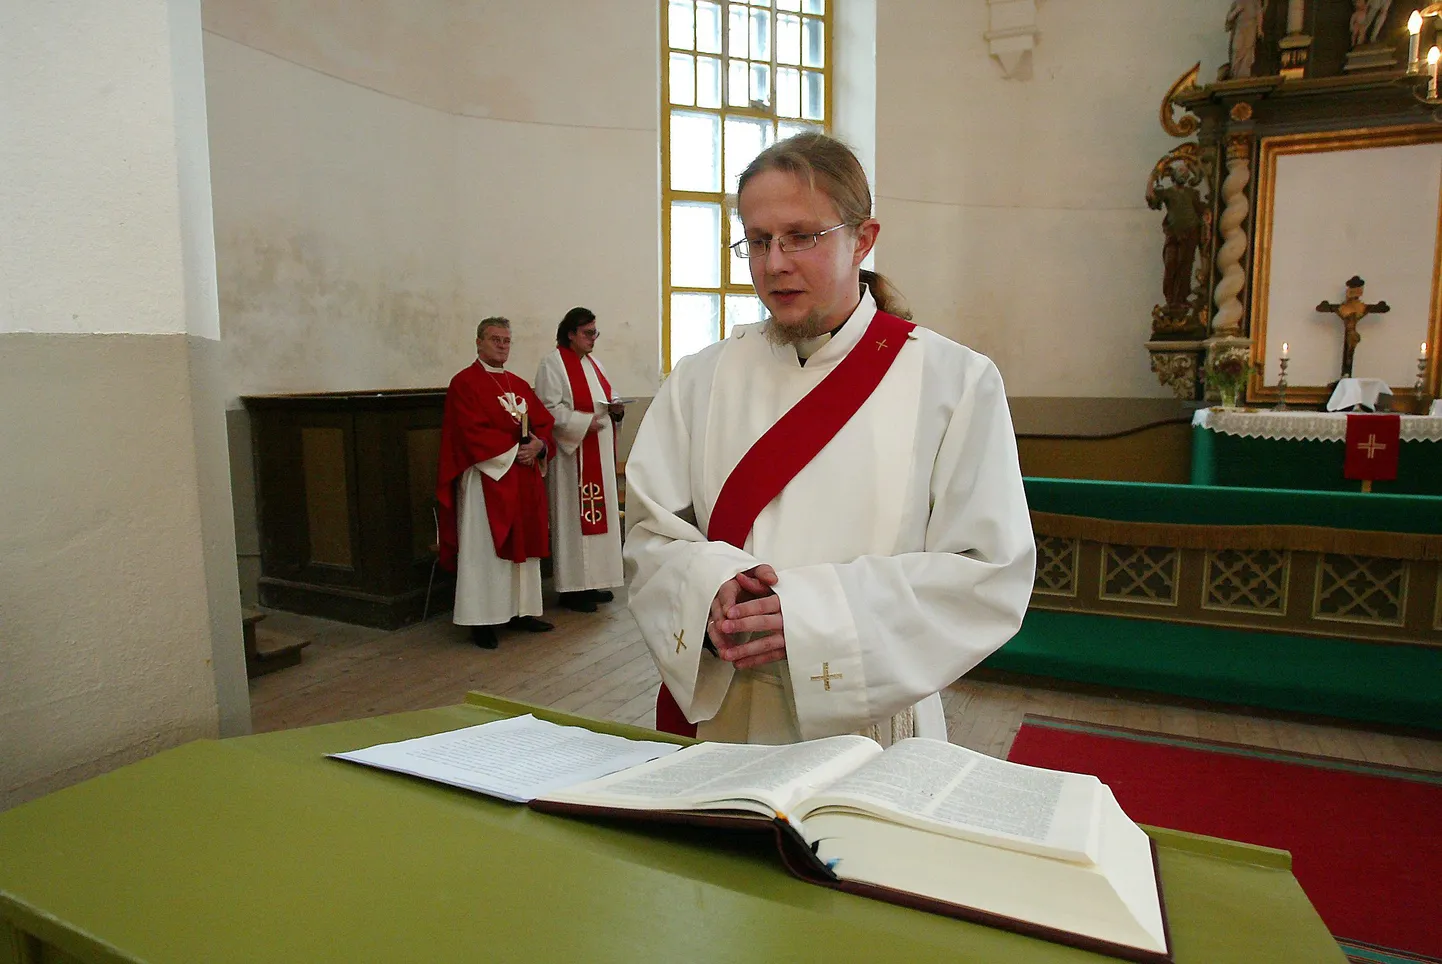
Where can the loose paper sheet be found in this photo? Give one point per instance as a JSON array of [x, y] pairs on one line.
[[516, 759]]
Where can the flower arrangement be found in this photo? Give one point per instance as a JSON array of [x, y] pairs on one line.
[[1228, 373]]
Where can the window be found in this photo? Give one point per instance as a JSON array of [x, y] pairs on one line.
[[735, 76]]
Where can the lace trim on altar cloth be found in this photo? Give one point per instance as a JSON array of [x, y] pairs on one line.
[[1311, 426], [902, 726]]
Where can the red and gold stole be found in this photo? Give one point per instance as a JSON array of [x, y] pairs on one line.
[[788, 447], [591, 487]]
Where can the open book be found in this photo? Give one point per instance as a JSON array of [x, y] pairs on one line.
[[923, 823]]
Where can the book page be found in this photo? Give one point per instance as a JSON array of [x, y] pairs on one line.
[[516, 759], [945, 787], [725, 773]]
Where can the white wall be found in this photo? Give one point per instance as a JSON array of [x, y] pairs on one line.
[[387, 175], [1012, 211], [119, 613]]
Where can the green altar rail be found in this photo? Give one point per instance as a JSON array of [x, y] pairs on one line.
[[1236, 505], [1234, 460], [1369, 682], [259, 849]]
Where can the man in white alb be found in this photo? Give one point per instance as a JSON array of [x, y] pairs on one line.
[[585, 516], [827, 524]]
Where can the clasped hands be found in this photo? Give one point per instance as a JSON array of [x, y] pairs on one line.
[[748, 603], [528, 452]]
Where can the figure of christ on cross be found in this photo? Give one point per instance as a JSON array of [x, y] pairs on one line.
[[1352, 310]]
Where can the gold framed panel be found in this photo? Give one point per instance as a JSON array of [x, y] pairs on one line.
[[1271, 149]]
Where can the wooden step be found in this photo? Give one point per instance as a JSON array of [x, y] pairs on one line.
[[267, 651]]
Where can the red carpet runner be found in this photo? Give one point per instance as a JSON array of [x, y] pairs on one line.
[[1366, 839]]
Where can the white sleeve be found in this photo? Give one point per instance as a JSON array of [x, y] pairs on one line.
[[553, 388], [899, 628], [672, 571], [499, 465]]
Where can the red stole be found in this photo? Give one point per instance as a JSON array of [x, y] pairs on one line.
[[591, 487], [788, 447], [475, 428]]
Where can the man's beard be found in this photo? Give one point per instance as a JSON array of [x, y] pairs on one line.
[[809, 327]]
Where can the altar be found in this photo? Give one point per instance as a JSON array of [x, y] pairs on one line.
[[1304, 450]]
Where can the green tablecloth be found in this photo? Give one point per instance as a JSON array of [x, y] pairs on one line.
[[261, 850], [1219, 459]]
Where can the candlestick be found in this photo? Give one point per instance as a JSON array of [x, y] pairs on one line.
[[1414, 44], [1282, 381]]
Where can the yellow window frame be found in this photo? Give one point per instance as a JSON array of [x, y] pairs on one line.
[[668, 195]]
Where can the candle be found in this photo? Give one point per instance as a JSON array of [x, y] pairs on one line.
[[1433, 56], [1296, 9], [1414, 48], [1286, 352], [1422, 355]]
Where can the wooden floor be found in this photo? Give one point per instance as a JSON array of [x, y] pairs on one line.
[[596, 665]]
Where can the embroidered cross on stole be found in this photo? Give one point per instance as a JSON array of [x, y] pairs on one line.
[[591, 486]]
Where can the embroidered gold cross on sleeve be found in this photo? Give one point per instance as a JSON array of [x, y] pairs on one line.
[[680, 640], [826, 676]]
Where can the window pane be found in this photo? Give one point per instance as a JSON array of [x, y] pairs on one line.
[[813, 101], [695, 151], [738, 272], [788, 92], [738, 84], [760, 35], [788, 4], [737, 40], [813, 51], [760, 3], [815, 6], [788, 38], [790, 128], [708, 82], [683, 80], [761, 84], [679, 17], [708, 27], [695, 244], [743, 310], [745, 138], [695, 323]]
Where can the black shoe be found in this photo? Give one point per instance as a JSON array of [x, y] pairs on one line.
[[531, 624], [484, 637], [580, 602], [603, 595]]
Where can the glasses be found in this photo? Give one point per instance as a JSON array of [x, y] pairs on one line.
[[789, 243]]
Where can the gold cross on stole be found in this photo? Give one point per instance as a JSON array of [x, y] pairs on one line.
[[680, 640], [826, 676], [879, 345]]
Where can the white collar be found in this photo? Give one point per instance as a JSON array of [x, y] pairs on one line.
[[833, 345], [491, 368]]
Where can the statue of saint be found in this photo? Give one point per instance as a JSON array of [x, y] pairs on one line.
[[1181, 230], [1244, 23], [1367, 19]]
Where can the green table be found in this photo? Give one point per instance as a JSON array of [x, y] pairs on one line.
[[259, 849]]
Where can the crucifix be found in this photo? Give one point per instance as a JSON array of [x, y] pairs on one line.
[[1352, 310]]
